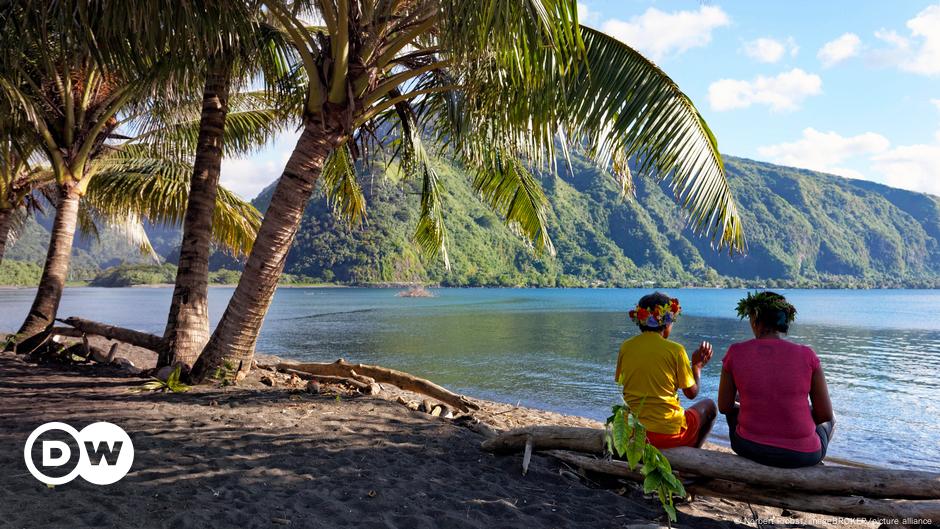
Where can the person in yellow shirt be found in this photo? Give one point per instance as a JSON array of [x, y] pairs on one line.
[[652, 369]]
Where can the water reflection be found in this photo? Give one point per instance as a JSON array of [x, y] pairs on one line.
[[555, 349]]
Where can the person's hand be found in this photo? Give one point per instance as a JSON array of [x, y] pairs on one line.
[[702, 355]]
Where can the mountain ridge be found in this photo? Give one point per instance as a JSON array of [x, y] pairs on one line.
[[804, 228]]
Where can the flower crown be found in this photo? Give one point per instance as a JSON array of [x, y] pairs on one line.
[[657, 316]]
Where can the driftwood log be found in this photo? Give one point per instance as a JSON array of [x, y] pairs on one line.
[[140, 339], [868, 482], [850, 505], [69, 332], [590, 440], [403, 380], [362, 384]]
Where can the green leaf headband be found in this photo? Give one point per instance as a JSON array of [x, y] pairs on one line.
[[759, 303]]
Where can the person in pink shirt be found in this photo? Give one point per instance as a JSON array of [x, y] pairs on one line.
[[773, 391]]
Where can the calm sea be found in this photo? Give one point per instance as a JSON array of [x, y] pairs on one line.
[[555, 349]]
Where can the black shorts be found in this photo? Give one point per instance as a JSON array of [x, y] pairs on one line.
[[774, 456]]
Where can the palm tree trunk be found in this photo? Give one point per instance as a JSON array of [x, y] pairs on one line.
[[6, 215], [56, 270], [231, 348], [187, 327]]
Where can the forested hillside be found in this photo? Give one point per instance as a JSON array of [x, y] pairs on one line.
[[804, 229]]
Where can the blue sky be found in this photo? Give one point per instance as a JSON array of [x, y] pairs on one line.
[[847, 87]]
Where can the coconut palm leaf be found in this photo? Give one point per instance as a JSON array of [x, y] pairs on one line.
[[625, 107], [430, 232], [157, 190], [512, 191], [171, 128], [341, 185]]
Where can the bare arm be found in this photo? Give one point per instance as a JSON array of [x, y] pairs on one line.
[[819, 397], [726, 392], [700, 359]]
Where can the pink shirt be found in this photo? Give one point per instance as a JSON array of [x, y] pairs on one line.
[[773, 379]]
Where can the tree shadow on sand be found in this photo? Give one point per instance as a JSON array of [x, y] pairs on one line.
[[248, 458]]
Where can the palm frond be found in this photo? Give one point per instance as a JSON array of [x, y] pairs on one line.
[[415, 163], [171, 128], [342, 188], [430, 232], [507, 186], [157, 190], [17, 224], [613, 104], [624, 107]]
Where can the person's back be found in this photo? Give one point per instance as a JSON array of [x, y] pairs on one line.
[[773, 379], [773, 392], [650, 368]]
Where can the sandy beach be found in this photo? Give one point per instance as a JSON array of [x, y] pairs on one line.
[[277, 456]]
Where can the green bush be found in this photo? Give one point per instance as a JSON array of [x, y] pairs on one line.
[[131, 275], [19, 273]]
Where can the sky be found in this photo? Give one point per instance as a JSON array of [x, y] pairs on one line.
[[845, 87]]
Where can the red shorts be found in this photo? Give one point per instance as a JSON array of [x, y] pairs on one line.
[[686, 437]]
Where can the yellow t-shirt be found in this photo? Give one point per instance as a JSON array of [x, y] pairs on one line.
[[652, 369]]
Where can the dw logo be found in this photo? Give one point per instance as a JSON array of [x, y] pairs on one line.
[[105, 453]]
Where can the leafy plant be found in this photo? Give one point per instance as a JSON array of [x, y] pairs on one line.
[[10, 343], [626, 437], [171, 384]]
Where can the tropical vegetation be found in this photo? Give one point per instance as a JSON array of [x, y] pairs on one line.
[[807, 229], [509, 91], [71, 109], [602, 239], [499, 86]]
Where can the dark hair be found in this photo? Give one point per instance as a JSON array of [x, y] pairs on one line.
[[649, 302], [769, 309]]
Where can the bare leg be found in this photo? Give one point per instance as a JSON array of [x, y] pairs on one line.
[[707, 411]]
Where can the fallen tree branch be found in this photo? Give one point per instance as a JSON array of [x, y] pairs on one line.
[[140, 339], [590, 440], [401, 379], [820, 479], [66, 331], [848, 505], [362, 386]]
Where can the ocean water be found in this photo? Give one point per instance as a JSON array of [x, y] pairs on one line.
[[555, 348]]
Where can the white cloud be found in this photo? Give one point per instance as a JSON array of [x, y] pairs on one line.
[[920, 52], [248, 176], [914, 167], [587, 15], [783, 92], [658, 34], [893, 38], [770, 50], [926, 26], [835, 51], [826, 151]]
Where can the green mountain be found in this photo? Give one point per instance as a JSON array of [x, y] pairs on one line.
[[804, 229]]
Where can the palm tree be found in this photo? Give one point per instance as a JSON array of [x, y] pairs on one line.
[[74, 104], [130, 187], [261, 55], [499, 86], [17, 183], [223, 45]]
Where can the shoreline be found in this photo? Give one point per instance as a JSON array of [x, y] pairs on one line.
[[394, 286], [275, 452]]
